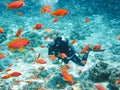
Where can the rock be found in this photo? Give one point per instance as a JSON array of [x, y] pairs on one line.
[[54, 82], [86, 85], [99, 72], [115, 74], [33, 86]]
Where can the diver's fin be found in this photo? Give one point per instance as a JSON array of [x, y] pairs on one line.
[[98, 50]]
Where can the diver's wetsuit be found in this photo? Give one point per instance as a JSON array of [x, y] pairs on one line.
[[61, 46]]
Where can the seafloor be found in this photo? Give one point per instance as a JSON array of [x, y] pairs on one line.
[[103, 28]]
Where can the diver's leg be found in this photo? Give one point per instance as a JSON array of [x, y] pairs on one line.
[[65, 60], [85, 56], [77, 60]]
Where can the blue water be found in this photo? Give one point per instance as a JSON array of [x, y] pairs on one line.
[[103, 28]]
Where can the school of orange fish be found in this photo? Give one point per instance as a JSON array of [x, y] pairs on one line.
[[19, 43]]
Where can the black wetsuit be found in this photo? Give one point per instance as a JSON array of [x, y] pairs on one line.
[[61, 46]]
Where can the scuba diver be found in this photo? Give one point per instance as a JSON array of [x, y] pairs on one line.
[[61, 45]]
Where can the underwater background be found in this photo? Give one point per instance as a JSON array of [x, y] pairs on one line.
[[103, 28]]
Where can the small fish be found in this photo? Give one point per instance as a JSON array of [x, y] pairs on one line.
[[62, 55], [48, 76], [97, 47], [6, 76], [34, 77], [28, 82], [118, 81], [1, 70], [48, 30], [118, 37], [73, 42], [15, 4], [19, 13], [52, 57], [16, 58], [45, 37], [32, 49], [83, 61], [66, 76], [2, 56], [18, 33], [39, 88], [10, 65], [7, 70], [80, 71], [42, 68], [1, 30], [59, 12], [99, 87], [42, 46], [16, 81], [37, 26], [66, 67], [15, 74], [55, 20], [84, 49], [45, 9], [38, 56], [86, 20], [41, 61]]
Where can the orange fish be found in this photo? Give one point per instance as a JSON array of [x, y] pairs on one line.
[[118, 37], [45, 9], [62, 55], [84, 49], [55, 20], [9, 65], [73, 42], [48, 30], [19, 13], [45, 37], [66, 67], [42, 46], [52, 57], [18, 43], [15, 74], [48, 76], [15, 4], [38, 55], [32, 49], [1, 70], [42, 68], [86, 20], [99, 87], [118, 81], [18, 32], [96, 47], [28, 82], [16, 81], [83, 61], [1, 30], [80, 71], [6, 76], [59, 12], [41, 61], [7, 70], [66, 76], [38, 26], [2, 55]]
